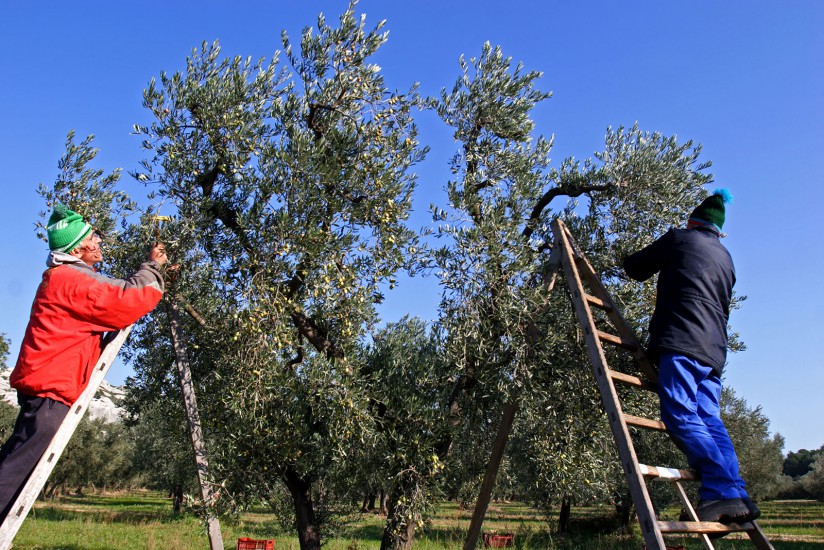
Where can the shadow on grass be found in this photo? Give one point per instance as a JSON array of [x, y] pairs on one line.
[[132, 517], [365, 532], [155, 502]]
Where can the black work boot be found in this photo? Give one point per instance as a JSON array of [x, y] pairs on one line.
[[731, 510], [755, 513]]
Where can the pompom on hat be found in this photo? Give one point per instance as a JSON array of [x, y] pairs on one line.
[[712, 211], [66, 229]]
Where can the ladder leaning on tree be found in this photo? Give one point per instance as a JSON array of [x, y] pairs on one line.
[[578, 273]]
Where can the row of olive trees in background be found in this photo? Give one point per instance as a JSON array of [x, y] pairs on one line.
[[290, 184], [803, 474]]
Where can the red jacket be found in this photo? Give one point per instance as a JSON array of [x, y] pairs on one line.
[[73, 308]]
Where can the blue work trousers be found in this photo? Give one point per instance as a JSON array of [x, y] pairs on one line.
[[690, 393]]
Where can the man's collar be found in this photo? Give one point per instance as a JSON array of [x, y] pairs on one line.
[[63, 258]]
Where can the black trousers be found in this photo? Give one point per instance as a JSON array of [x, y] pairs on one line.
[[38, 421]]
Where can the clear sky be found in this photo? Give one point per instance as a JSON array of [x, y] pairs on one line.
[[744, 78]]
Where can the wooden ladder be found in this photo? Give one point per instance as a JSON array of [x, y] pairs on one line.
[[44, 467], [578, 271]]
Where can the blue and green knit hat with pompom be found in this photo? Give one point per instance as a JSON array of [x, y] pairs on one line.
[[711, 211], [66, 229]]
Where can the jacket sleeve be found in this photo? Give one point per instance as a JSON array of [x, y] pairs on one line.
[[649, 260], [114, 304]]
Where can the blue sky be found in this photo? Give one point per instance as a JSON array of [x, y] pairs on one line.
[[744, 78]]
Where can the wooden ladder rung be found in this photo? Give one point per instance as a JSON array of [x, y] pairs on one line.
[[667, 474], [703, 527], [644, 423], [616, 340], [597, 302], [630, 380]]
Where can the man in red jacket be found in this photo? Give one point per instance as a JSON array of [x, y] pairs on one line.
[[72, 310]]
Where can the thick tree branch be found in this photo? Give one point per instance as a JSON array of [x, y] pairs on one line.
[[566, 191], [316, 336], [193, 313]]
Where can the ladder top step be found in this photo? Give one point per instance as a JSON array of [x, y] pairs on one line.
[[667, 474], [703, 527]]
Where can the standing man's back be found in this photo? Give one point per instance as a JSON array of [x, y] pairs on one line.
[[688, 343], [695, 281]]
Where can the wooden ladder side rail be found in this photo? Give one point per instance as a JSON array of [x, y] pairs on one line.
[[626, 452], [195, 431], [41, 472], [603, 300]]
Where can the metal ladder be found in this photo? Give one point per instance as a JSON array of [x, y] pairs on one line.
[[44, 467], [579, 272]]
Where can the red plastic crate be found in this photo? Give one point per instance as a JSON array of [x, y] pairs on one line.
[[499, 540], [252, 544]]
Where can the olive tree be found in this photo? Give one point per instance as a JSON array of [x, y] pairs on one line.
[[507, 334], [290, 184]]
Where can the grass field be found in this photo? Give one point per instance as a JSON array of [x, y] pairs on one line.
[[144, 521]]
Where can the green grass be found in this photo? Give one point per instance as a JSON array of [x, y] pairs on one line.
[[144, 521]]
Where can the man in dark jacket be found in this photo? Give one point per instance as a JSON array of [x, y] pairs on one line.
[[688, 342]]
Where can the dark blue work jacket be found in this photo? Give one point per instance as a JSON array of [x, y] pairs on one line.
[[694, 291]]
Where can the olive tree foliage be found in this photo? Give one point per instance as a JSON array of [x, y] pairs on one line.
[[290, 184], [162, 457], [813, 481], [510, 337], [408, 384], [8, 413], [98, 456], [93, 194], [4, 349], [760, 454]]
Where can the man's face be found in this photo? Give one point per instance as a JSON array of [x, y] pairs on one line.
[[89, 250]]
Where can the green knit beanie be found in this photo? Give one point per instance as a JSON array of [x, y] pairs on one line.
[[712, 211], [66, 229]]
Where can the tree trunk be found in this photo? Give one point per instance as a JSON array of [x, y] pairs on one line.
[[398, 533], [54, 490], [177, 498], [369, 500], [384, 503], [623, 509], [491, 474], [563, 518], [308, 529]]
